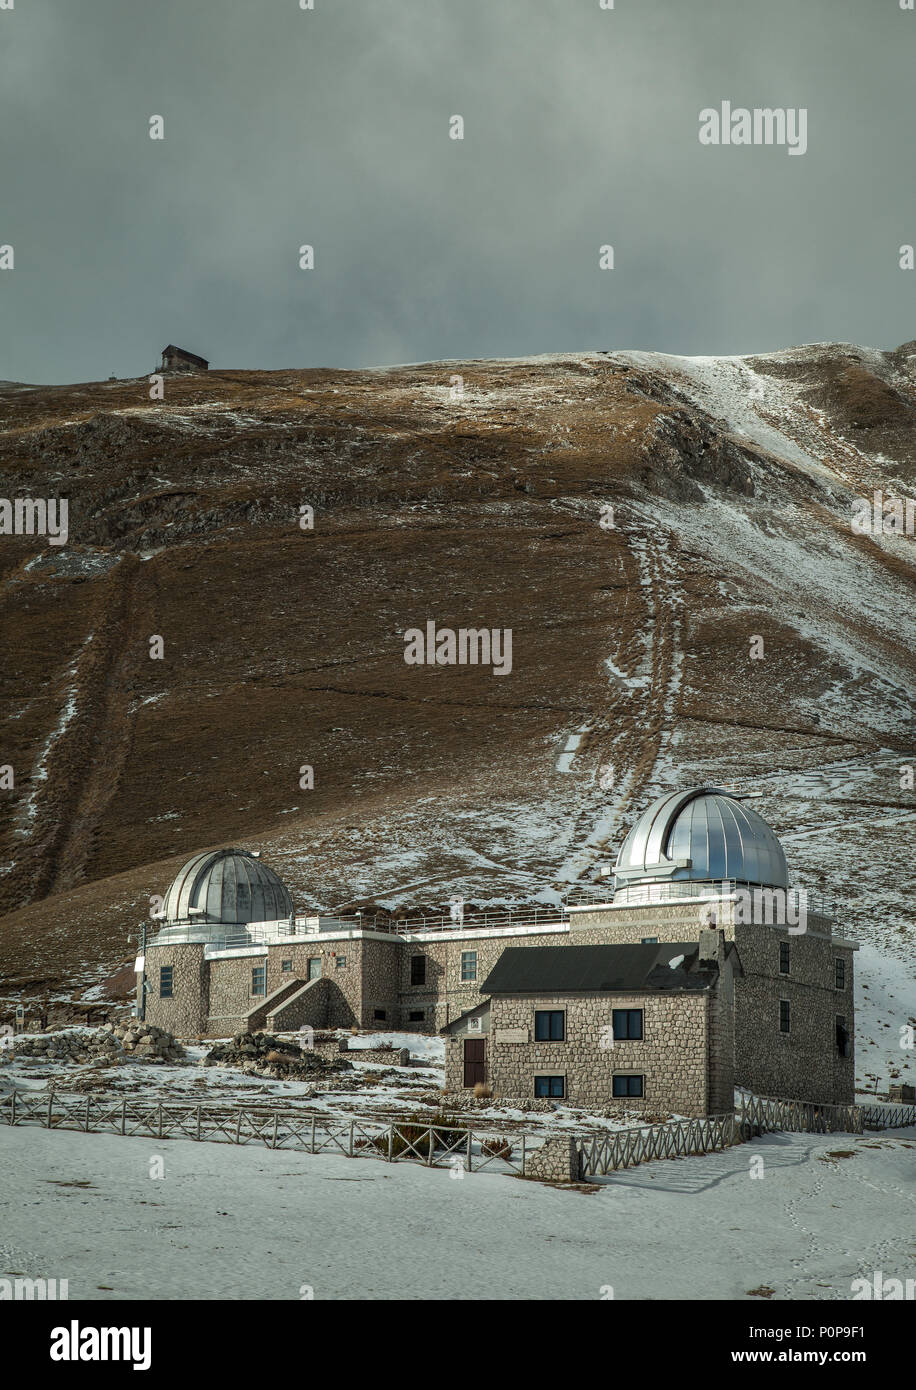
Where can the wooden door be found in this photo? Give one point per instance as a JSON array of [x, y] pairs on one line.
[[475, 1060]]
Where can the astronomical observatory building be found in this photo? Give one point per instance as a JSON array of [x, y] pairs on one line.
[[699, 970]]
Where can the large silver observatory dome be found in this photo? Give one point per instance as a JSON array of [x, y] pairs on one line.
[[700, 836], [226, 885]]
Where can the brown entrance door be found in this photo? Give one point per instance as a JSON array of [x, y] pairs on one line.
[[475, 1061]]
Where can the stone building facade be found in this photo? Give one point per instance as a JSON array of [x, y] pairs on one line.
[[794, 1053], [782, 1024], [682, 1059]]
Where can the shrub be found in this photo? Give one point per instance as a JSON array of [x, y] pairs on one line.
[[413, 1133], [482, 1091], [496, 1147]]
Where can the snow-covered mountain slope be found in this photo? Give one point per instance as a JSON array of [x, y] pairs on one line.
[[669, 540]]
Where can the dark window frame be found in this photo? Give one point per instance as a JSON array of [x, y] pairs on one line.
[[468, 962], [258, 973], [169, 991], [839, 973], [286, 966], [623, 1088], [380, 1015], [416, 1016], [785, 958], [556, 1020], [418, 970], [628, 1021], [785, 1016], [550, 1087]]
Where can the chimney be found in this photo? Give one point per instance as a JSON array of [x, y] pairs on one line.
[[712, 945]]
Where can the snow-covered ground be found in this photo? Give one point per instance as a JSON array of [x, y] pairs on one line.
[[248, 1223]]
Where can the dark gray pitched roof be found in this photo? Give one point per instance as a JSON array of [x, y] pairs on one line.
[[554, 969]]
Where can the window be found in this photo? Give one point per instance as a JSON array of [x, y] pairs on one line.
[[259, 980], [418, 970], [628, 1086], [286, 965], [650, 940], [416, 1016], [628, 1024], [552, 1086], [165, 981], [839, 972], [784, 1018], [314, 970], [469, 965], [380, 1015], [549, 1025], [843, 1045], [783, 957], [340, 962]]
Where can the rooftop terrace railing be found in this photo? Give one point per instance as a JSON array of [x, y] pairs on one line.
[[217, 937], [648, 894]]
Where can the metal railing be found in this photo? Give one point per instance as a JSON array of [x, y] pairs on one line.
[[648, 894]]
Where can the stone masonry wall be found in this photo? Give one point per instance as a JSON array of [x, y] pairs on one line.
[[445, 995], [185, 1013], [672, 1055], [802, 1064]]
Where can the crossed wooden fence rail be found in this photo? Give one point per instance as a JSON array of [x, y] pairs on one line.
[[888, 1116], [604, 1153], [437, 1145], [768, 1114]]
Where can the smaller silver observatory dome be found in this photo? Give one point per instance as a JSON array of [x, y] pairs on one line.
[[226, 885], [700, 836]]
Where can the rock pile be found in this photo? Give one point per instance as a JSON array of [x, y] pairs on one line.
[[144, 1042], [107, 1046], [261, 1054]]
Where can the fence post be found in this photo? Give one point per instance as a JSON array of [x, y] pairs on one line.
[[313, 1134], [469, 1151], [50, 1105], [123, 1116], [523, 1153], [390, 1142], [198, 1124], [238, 1127], [160, 1119], [351, 1138], [87, 1114], [276, 1121], [13, 1107]]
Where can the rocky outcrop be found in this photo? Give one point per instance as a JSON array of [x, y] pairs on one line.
[[262, 1054]]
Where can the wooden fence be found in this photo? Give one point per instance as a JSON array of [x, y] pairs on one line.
[[769, 1114], [437, 1144], [600, 1154], [888, 1116]]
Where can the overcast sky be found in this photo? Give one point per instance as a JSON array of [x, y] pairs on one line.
[[330, 127]]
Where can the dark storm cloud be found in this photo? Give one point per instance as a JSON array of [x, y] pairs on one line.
[[330, 127]]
